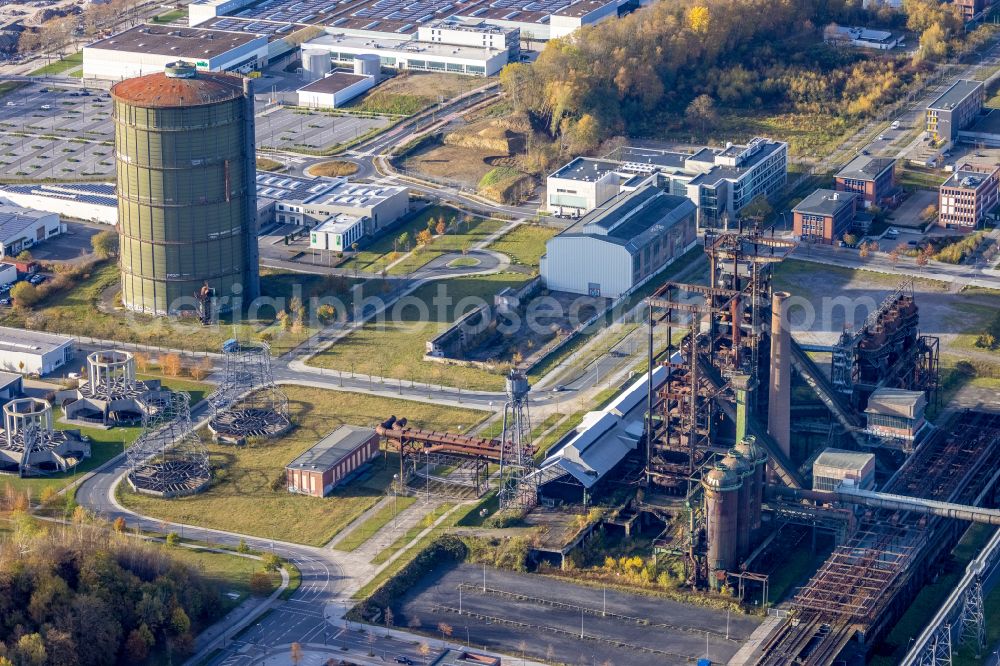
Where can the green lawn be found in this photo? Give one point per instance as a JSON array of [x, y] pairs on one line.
[[171, 16], [921, 178], [396, 348], [524, 244], [248, 493], [60, 66], [386, 553], [397, 565], [77, 312], [461, 235], [230, 573], [375, 522]]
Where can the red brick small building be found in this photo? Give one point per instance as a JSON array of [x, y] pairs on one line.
[[967, 197], [335, 457], [874, 178], [824, 216]]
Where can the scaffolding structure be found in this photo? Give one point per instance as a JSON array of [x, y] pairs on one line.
[[886, 351], [424, 453], [168, 459], [857, 586], [31, 446], [247, 403], [518, 490]]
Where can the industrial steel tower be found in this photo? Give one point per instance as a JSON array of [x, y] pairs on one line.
[[517, 484], [184, 146]]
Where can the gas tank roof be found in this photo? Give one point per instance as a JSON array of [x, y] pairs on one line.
[[156, 91]]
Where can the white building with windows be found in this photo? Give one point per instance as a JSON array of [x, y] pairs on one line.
[[146, 49], [719, 181], [415, 54], [94, 202], [33, 352], [334, 90], [338, 233], [620, 245], [22, 228]]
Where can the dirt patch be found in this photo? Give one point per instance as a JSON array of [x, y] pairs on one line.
[[333, 169], [267, 164], [463, 166]]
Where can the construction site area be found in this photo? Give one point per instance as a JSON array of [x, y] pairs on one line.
[[817, 482]]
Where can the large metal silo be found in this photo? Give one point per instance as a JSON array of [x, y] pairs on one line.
[[184, 145]]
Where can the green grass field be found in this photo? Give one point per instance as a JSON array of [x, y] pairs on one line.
[[396, 348], [77, 311], [386, 553], [461, 235], [377, 521], [60, 66], [524, 244], [248, 493], [230, 573]]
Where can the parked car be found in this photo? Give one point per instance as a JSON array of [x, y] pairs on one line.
[[895, 124], [46, 107], [401, 659], [6, 302], [893, 232]]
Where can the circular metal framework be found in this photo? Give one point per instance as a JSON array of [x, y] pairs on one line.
[[30, 446], [111, 376], [168, 459], [247, 404]]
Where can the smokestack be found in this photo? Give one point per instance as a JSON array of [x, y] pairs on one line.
[[779, 393], [742, 385]]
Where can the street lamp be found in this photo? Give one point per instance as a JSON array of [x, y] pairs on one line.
[[395, 493]]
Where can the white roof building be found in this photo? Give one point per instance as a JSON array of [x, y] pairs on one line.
[[93, 202], [147, 48], [22, 228], [33, 352]]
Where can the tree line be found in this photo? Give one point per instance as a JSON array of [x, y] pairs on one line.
[[675, 64], [87, 595]]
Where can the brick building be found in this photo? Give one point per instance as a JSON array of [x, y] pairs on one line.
[[967, 197], [874, 178], [334, 458], [824, 216]]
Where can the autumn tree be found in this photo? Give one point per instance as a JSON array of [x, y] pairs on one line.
[[698, 19], [425, 237], [441, 227], [105, 244], [171, 364], [403, 241], [701, 111], [295, 653], [26, 295]]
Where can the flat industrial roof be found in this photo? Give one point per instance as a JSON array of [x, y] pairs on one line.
[[406, 46], [8, 378], [30, 342], [898, 402], [14, 220], [338, 224], [334, 82], [633, 219], [101, 194], [175, 41], [333, 448], [955, 94], [966, 179], [585, 169], [825, 202], [866, 167], [841, 459]]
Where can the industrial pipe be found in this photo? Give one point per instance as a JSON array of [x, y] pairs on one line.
[[779, 396], [893, 502]]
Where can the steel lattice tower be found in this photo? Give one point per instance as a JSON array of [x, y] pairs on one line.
[[517, 484], [247, 403]]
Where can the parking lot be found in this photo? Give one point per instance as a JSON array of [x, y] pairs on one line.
[[289, 129], [61, 134], [55, 134], [544, 618]]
